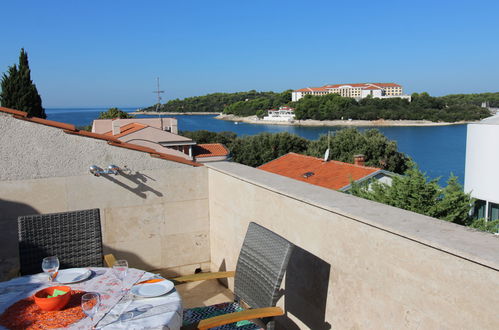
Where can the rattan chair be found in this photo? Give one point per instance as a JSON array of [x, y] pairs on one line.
[[74, 237], [259, 272]]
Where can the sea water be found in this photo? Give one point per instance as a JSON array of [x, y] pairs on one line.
[[438, 150]]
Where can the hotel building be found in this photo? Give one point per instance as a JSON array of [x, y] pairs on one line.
[[357, 91]]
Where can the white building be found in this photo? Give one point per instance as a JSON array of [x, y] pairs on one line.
[[282, 114], [357, 91], [482, 170]]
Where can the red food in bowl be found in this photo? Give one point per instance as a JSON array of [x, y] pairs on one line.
[[55, 303]]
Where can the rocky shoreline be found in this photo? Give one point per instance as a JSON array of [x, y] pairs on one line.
[[311, 122], [154, 113], [307, 122]]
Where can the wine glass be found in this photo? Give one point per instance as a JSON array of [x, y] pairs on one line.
[[120, 268], [50, 265], [90, 302]]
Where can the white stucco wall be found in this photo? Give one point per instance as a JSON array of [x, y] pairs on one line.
[[375, 93], [29, 151], [482, 161], [295, 96]]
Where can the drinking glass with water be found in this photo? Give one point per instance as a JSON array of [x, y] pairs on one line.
[[90, 303], [50, 266], [120, 268]]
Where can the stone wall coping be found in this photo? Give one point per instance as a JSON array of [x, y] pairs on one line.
[[463, 242]]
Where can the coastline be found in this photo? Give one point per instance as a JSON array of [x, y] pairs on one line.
[[312, 122], [307, 122], [154, 113]]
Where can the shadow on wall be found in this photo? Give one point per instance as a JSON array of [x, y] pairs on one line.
[[139, 180], [9, 253], [136, 261], [306, 289]]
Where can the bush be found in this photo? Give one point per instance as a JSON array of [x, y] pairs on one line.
[[113, 113], [489, 226]]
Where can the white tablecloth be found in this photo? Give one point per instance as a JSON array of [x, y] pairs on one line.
[[123, 312]]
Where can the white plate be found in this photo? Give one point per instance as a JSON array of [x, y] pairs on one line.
[[152, 289], [72, 275]]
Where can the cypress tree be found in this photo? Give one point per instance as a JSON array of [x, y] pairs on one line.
[[18, 90]]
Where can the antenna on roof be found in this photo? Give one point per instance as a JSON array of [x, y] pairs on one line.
[[159, 95], [158, 91], [326, 155]]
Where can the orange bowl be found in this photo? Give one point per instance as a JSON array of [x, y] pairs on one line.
[[55, 303]]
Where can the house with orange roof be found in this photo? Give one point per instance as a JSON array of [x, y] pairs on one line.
[[357, 91], [210, 152], [164, 123], [155, 134], [69, 151], [330, 174]]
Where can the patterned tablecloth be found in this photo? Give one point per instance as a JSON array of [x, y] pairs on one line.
[[118, 310]]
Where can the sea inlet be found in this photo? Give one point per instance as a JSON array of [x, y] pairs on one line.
[[438, 150]]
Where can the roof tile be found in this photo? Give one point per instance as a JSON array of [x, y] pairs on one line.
[[332, 174], [127, 129], [210, 150], [14, 112]]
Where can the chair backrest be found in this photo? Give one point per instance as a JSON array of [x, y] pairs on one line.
[[74, 237], [261, 265]]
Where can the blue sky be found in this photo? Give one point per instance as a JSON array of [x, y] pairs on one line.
[[109, 53]]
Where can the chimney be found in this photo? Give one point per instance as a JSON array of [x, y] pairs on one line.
[[359, 160], [173, 126], [116, 126]]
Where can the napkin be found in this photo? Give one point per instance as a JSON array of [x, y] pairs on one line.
[[57, 293], [154, 280]]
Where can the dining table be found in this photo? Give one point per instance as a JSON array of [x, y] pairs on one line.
[[119, 307]]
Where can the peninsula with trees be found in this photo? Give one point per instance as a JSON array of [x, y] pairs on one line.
[[422, 108]]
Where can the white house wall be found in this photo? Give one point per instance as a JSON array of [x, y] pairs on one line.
[[482, 161]]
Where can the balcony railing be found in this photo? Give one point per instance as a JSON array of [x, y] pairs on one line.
[[358, 264]]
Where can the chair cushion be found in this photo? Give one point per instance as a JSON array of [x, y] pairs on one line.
[[197, 314]]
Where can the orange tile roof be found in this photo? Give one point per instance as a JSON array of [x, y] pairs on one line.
[[312, 89], [111, 140], [210, 150], [386, 84], [363, 85], [339, 85], [332, 174], [127, 129]]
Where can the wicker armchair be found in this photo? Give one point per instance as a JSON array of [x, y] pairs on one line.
[[259, 272], [74, 237]]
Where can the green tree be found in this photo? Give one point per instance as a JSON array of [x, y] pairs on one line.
[[263, 102], [18, 90], [414, 192], [261, 148], [378, 150], [87, 128], [455, 205], [204, 136], [423, 107], [218, 102], [114, 113], [260, 114]]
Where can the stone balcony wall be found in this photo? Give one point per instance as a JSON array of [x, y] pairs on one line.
[[155, 215], [156, 219], [358, 264]]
